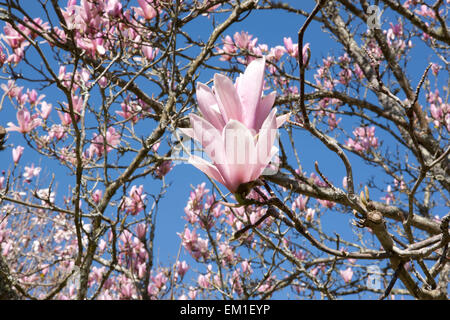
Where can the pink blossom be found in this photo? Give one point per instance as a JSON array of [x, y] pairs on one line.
[[345, 76], [11, 89], [33, 97], [26, 122], [246, 267], [112, 139], [276, 53], [141, 230], [364, 139], [227, 131], [22, 98], [97, 195], [346, 274], [17, 153], [242, 39], [164, 168], [345, 182], [129, 111], [45, 196], [241, 101], [332, 122], [389, 195], [93, 47], [234, 162], [57, 131], [103, 82], [426, 12], [31, 172], [97, 145], [203, 281], [291, 49], [306, 53], [435, 68], [226, 253], [401, 185], [6, 247], [149, 52], [113, 8], [45, 110], [344, 59], [300, 203], [182, 268], [155, 147], [195, 245], [134, 203], [147, 9], [160, 280], [12, 37], [228, 48]]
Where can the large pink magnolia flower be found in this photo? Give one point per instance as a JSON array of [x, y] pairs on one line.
[[239, 127], [26, 122], [237, 155], [242, 101]]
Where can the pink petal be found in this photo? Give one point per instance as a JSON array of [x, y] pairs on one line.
[[12, 127], [250, 89], [282, 119], [227, 98], [206, 103], [266, 138], [207, 168], [265, 105], [210, 139], [241, 153]]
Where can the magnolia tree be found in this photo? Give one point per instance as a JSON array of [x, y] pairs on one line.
[[109, 96]]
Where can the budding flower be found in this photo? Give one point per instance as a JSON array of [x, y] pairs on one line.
[[17, 154]]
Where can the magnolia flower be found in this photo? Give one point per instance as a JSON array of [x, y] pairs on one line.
[[238, 156], [97, 195], [45, 196], [300, 203], [17, 153], [113, 8], [149, 52], [238, 129], [141, 230], [26, 122], [147, 10], [241, 101], [32, 97], [31, 172], [46, 108], [346, 274], [182, 268]]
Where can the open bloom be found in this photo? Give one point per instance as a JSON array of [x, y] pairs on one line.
[[238, 129], [31, 172], [26, 122], [242, 101], [237, 155]]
